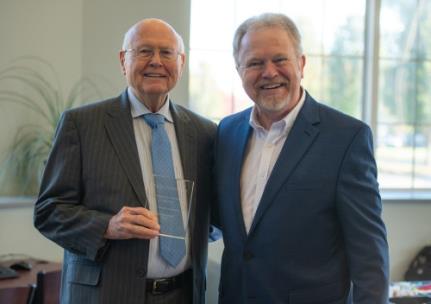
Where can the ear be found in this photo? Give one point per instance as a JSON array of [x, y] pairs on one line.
[[122, 56], [302, 60], [182, 62]]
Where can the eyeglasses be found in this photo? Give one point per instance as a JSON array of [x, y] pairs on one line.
[[259, 64], [148, 53]]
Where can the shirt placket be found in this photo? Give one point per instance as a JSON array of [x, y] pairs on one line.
[[264, 167]]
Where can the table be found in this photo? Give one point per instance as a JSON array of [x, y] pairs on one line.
[[28, 277]]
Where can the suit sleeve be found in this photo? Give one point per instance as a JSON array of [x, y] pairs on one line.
[[359, 209], [59, 214]]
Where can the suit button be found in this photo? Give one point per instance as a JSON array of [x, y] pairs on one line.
[[140, 272], [248, 255]]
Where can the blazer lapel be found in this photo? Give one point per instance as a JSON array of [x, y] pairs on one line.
[[299, 140], [186, 137], [119, 126], [241, 136], [187, 145]]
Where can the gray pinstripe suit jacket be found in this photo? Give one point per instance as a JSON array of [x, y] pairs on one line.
[[93, 170]]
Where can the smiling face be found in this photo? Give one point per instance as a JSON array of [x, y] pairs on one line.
[[271, 71], [152, 78]]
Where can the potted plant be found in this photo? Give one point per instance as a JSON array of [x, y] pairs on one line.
[[26, 86]]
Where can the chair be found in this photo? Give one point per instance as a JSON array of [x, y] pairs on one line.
[[47, 287], [16, 295]]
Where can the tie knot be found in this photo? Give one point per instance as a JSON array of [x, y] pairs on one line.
[[154, 120]]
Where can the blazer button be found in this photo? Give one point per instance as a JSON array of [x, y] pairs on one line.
[[248, 255]]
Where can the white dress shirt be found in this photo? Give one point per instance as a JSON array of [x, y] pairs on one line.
[[262, 152], [157, 267]]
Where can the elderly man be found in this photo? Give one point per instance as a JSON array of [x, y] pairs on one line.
[[101, 189], [299, 204]]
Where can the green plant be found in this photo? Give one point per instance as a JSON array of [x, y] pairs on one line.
[[25, 83]]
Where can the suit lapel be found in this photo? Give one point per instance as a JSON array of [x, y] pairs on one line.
[[299, 140], [241, 136], [186, 138], [187, 146], [119, 126]]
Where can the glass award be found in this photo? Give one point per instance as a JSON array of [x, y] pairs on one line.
[[174, 200]]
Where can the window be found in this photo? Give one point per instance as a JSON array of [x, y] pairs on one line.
[[345, 56], [404, 105]]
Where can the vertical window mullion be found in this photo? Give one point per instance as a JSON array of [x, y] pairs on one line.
[[371, 64]]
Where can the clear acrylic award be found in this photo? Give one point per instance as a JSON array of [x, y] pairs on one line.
[[174, 202]]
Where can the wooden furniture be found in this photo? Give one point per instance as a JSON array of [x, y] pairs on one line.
[[48, 287], [17, 295], [50, 276]]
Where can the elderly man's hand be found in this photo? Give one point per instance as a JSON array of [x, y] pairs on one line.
[[136, 222]]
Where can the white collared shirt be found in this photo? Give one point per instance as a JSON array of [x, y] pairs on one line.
[[263, 149], [157, 267]]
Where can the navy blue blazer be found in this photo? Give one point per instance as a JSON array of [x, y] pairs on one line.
[[317, 235]]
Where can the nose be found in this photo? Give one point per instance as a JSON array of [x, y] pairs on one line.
[[155, 60], [269, 70]]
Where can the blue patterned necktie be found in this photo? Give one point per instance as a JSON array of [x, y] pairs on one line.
[[168, 205]]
